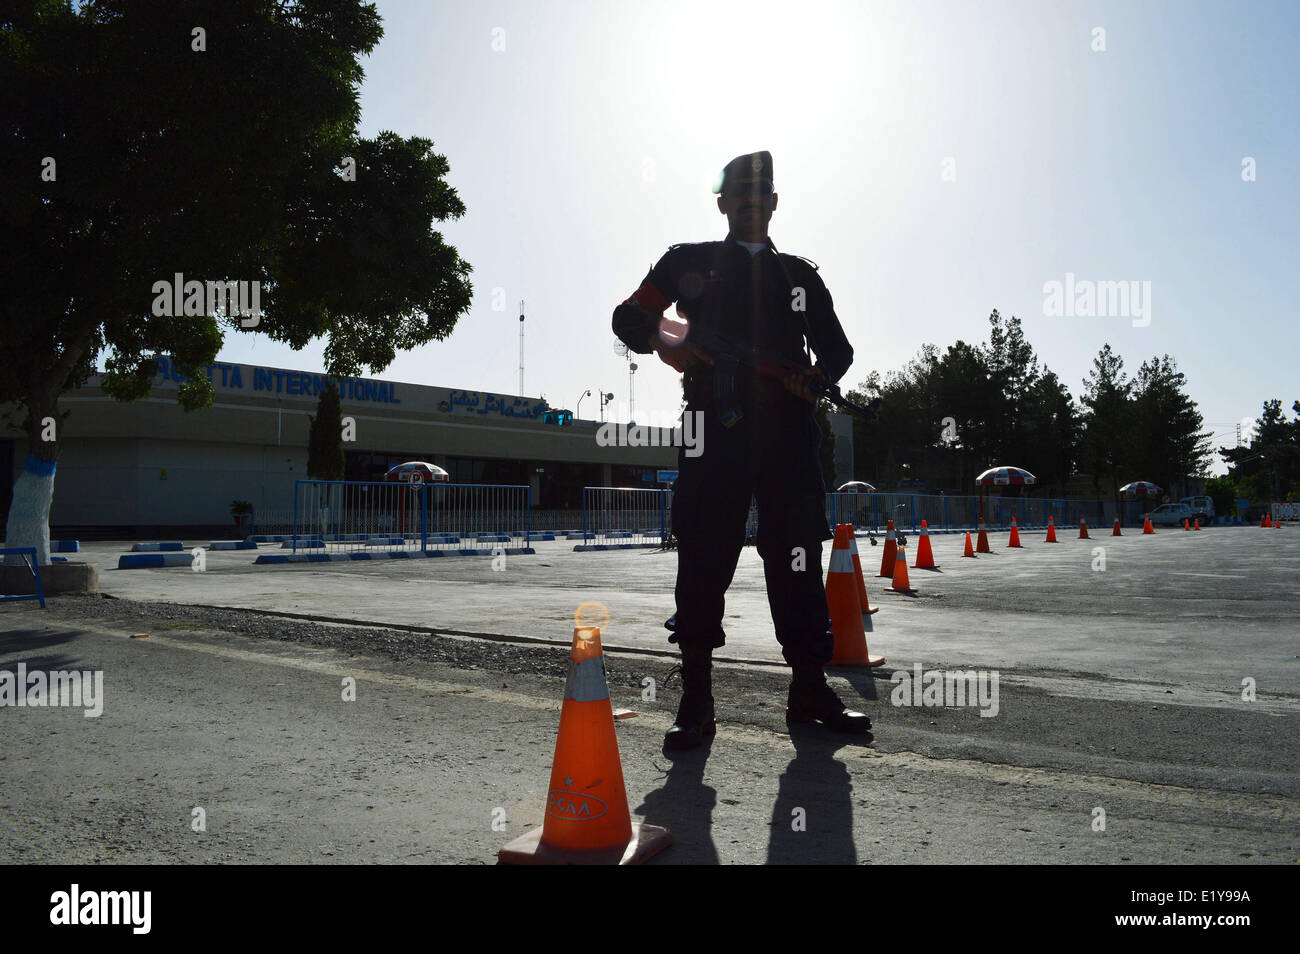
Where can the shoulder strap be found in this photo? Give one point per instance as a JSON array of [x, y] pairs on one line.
[[803, 315]]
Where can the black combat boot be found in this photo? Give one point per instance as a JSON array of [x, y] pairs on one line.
[[812, 700], [695, 713]]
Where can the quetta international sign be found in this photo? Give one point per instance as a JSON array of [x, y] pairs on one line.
[[305, 384]]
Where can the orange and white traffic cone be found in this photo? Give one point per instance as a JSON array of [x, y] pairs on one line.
[[847, 529], [1014, 539], [1051, 531], [845, 608], [968, 552], [1083, 529], [900, 583], [1263, 521], [1115, 532], [1146, 527], [587, 819], [982, 544], [1198, 524], [891, 550], [924, 555]]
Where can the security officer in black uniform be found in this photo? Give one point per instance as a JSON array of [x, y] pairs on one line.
[[759, 437]]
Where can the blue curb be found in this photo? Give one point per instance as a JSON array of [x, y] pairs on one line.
[[140, 561]]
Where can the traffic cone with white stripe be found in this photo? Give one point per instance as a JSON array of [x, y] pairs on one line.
[[900, 583], [1083, 529], [1197, 525], [924, 555], [982, 546], [1014, 539], [847, 529], [845, 608], [1146, 527], [1115, 532], [891, 550], [1051, 530], [587, 819]]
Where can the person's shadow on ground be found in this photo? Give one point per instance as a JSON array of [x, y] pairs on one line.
[[684, 805], [812, 819]]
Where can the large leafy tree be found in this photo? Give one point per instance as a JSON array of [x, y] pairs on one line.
[[145, 138]]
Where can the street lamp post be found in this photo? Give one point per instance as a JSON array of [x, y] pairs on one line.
[[577, 414], [605, 398]]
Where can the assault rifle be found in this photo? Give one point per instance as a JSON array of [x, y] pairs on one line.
[[728, 354]]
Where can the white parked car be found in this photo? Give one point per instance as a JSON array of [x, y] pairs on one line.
[[1171, 514]]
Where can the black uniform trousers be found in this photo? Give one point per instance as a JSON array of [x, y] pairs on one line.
[[774, 455]]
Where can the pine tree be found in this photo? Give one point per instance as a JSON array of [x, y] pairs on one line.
[[325, 458]]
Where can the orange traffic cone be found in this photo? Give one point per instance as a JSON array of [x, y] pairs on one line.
[[587, 820], [1014, 539], [982, 544], [1263, 521], [901, 584], [1115, 532], [1083, 529], [1186, 525], [891, 550], [1146, 527], [847, 529], [924, 555], [968, 551], [845, 608], [1051, 530], [1198, 524]]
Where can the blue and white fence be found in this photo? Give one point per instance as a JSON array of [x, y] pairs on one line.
[[619, 517], [387, 518]]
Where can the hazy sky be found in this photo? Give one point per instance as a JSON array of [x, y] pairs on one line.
[[590, 143]]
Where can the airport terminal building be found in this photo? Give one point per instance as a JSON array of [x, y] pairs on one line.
[[150, 468]]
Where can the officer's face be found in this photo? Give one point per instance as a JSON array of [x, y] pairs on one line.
[[748, 211]]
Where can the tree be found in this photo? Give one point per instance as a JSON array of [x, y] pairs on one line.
[[1168, 444], [1270, 466], [138, 148], [325, 457], [1107, 423], [1049, 430]]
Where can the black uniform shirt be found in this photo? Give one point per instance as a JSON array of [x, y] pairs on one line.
[[745, 297]]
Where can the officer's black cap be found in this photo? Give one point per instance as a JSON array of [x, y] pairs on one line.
[[753, 165]]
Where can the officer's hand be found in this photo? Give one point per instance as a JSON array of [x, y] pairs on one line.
[[679, 357], [797, 383]]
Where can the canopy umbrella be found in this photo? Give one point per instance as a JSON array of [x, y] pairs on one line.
[[1141, 488], [428, 473], [856, 487], [1005, 476]]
